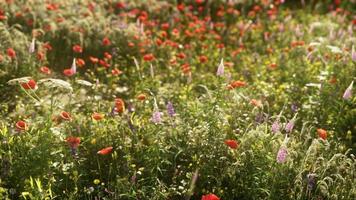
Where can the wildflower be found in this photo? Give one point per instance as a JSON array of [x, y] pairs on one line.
[[96, 181], [107, 55], [97, 116], [116, 72], [282, 154], [220, 71], [11, 53], [276, 126], [210, 197], [203, 59], [45, 70], [322, 133], [93, 59], [353, 54], [74, 66], [141, 97], [232, 144], [31, 84], [186, 68], [106, 41], [80, 62], [348, 92], [73, 143], [290, 125], [77, 48], [156, 117], [170, 109], [311, 181], [65, 116], [31, 49], [257, 103], [68, 72], [105, 151], [148, 57], [119, 105], [21, 125], [236, 84]]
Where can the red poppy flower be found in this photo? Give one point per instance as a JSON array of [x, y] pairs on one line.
[[73, 142], [141, 97], [236, 84], [116, 72], [203, 59], [119, 105], [148, 57], [107, 55], [77, 48], [11, 53], [68, 72], [65, 115], [186, 68], [97, 116], [21, 125], [45, 70], [105, 151], [47, 46], [106, 41], [232, 144], [210, 197], [80, 62], [31, 84], [181, 55], [255, 102], [93, 59], [322, 133], [1, 58], [104, 63], [120, 5]]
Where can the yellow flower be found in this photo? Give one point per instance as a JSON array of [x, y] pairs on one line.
[[96, 181]]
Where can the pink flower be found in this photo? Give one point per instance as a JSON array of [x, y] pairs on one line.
[[348, 92], [282, 155], [220, 71]]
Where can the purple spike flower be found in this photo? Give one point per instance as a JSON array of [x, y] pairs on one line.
[[290, 125], [170, 109], [276, 126], [156, 117], [282, 154], [348, 92]]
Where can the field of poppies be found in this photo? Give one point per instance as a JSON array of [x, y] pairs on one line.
[[177, 99]]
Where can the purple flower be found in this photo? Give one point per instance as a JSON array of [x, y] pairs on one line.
[[220, 71], [290, 125], [294, 107], [276, 126], [311, 181], [156, 117], [170, 109], [282, 154], [348, 92]]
